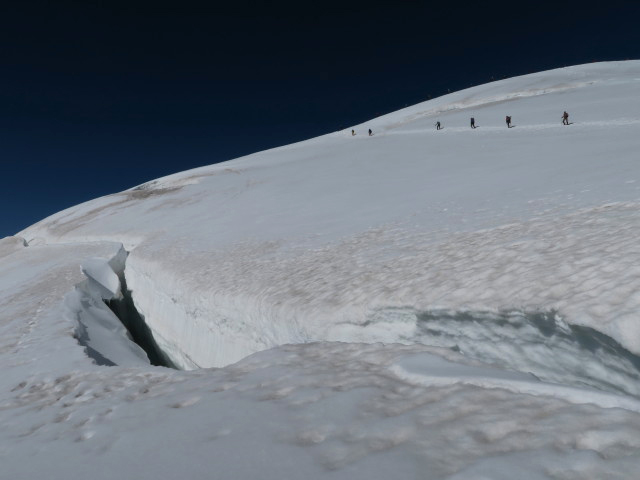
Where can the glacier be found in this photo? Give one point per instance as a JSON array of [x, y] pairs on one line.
[[419, 303]]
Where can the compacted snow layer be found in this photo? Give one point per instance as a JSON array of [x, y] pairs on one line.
[[496, 267], [322, 410], [255, 296]]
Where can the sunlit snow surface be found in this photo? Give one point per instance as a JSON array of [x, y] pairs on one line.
[[497, 269]]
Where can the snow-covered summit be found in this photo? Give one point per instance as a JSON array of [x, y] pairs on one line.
[[504, 259]]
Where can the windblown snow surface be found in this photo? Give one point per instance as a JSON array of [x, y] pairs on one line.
[[426, 304]]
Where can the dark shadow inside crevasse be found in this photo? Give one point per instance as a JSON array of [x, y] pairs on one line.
[[124, 308]]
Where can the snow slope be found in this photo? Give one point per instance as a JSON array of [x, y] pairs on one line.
[[503, 259]]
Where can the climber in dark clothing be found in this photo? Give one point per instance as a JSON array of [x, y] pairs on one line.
[[565, 118], [508, 120], [473, 122], [370, 132], [438, 127]]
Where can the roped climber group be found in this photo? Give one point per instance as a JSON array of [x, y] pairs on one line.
[[565, 121]]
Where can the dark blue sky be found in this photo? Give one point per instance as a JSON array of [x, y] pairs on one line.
[[97, 97]]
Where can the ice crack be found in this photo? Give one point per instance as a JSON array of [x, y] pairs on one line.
[[108, 325]]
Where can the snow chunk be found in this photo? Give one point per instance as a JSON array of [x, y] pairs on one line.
[[102, 276]]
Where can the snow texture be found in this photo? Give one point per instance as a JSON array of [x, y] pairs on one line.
[[416, 304]]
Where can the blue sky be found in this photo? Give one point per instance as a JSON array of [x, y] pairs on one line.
[[97, 97]]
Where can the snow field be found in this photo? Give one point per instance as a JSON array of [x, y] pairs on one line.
[[341, 410], [321, 196], [476, 258]]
